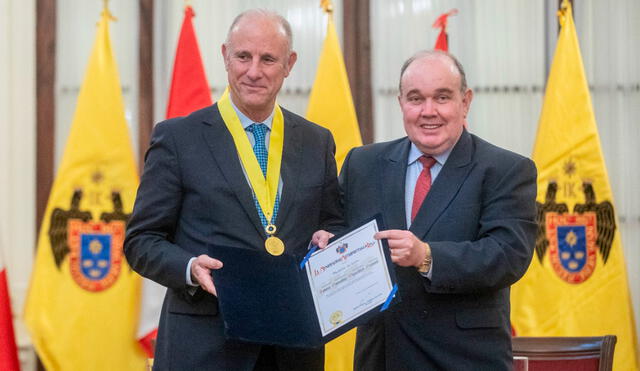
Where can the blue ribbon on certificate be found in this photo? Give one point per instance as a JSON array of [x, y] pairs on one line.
[[390, 297], [306, 257]]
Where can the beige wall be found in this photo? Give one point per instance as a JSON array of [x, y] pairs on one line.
[[17, 154]]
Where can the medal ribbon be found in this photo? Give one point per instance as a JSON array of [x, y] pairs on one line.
[[264, 189]]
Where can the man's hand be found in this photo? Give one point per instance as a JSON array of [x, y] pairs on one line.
[[406, 249], [201, 272], [321, 238]]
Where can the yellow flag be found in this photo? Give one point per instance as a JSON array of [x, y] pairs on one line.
[[331, 105], [577, 283], [330, 102], [82, 305]]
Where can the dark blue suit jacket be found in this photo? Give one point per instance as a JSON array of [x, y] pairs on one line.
[[192, 195], [479, 219]]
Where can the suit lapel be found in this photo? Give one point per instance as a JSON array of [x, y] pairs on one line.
[[446, 186], [394, 169], [224, 152], [291, 158]]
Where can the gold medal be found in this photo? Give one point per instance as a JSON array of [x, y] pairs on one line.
[[274, 246]]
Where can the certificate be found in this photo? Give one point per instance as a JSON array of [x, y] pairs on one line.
[[292, 301], [349, 278]]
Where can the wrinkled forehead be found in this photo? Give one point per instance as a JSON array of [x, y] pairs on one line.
[[432, 67], [259, 26]]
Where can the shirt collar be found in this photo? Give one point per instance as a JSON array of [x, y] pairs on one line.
[[245, 121], [415, 153]]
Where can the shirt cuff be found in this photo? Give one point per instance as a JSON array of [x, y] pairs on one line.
[[188, 275]]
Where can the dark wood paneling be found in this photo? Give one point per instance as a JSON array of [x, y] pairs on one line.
[[145, 79], [45, 108], [357, 55], [45, 102]]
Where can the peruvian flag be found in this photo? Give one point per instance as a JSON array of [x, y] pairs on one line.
[[442, 43], [189, 92], [8, 349]]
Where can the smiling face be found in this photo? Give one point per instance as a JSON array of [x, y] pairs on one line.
[[434, 108], [257, 58]]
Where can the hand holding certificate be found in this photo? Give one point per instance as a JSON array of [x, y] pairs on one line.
[[349, 278], [304, 304]]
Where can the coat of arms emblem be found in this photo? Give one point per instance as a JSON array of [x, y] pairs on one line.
[[573, 239], [94, 247]]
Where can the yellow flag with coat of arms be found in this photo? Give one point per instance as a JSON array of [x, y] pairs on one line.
[[576, 284], [331, 105], [82, 304]]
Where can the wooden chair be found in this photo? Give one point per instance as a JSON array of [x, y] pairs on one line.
[[566, 353]]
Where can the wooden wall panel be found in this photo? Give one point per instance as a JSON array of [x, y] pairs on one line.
[[357, 55]]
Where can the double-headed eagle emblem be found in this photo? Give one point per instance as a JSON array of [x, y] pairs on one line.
[[604, 214], [58, 232]]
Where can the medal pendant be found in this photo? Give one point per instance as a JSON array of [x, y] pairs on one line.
[[274, 246]]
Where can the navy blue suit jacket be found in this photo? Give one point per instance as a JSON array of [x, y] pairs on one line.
[[193, 195], [479, 220]]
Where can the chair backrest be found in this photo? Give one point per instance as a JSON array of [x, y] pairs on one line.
[[566, 353]]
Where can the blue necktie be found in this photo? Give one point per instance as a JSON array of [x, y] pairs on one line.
[[259, 148]]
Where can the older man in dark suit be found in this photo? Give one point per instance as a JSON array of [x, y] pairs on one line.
[[461, 219], [242, 173]]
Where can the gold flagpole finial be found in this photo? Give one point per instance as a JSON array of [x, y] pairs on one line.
[[327, 6], [565, 6], [105, 10]]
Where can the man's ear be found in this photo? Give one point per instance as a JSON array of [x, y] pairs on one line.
[[223, 49], [293, 57], [466, 101]]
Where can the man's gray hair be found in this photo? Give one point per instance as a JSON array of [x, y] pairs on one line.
[[431, 54], [282, 21]]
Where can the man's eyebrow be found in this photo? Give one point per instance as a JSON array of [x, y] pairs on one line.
[[443, 90]]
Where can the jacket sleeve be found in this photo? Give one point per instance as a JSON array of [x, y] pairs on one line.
[[148, 245], [506, 229], [331, 218]]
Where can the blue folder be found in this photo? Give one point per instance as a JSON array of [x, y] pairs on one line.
[[266, 299]]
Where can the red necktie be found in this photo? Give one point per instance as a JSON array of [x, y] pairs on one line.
[[423, 184]]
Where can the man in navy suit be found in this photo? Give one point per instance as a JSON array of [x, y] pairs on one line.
[[242, 173], [460, 214]]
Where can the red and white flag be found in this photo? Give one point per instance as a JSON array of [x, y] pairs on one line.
[[189, 87], [152, 296], [8, 349], [442, 42], [189, 92]]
